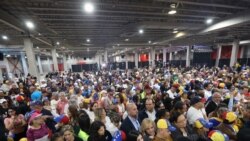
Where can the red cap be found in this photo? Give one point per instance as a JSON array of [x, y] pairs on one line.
[[147, 87], [176, 86], [19, 98]]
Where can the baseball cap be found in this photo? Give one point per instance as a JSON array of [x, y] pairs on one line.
[[19, 98], [197, 99], [176, 85], [221, 85], [36, 103], [162, 124], [147, 87], [216, 135], [229, 116], [2, 101], [33, 116], [201, 122]]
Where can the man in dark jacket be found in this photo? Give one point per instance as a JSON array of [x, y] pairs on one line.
[[131, 122], [213, 103], [149, 112]]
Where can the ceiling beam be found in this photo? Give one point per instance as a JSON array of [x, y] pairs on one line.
[[213, 4]]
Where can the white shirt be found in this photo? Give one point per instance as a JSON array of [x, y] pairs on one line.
[[171, 94], [193, 114], [80, 99], [53, 104], [207, 94], [151, 115]]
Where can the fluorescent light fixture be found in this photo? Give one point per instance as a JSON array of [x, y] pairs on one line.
[[88, 40], [180, 34], [89, 7], [58, 43], [141, 31], [172, 12], [8, 55], [244, 42], [30, 24], [118, 44], [229, 22], [39, 34], [5, 37], [175, 52], [175, 31], [149, 42], [209, 21], [126, 39], [37, 47]]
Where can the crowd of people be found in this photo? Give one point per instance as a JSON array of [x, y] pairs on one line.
[[147, 104]]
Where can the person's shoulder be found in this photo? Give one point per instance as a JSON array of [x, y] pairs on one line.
[[77, 139]]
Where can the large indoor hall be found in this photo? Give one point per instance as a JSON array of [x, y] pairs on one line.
[[124, 70]]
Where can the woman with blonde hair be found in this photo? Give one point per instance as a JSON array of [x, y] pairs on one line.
[[148, 129]]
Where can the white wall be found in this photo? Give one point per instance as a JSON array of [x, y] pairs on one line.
[[6, 63]]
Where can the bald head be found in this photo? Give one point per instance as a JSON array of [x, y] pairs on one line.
[[132, 110]]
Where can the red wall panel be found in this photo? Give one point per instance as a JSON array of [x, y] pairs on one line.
[[144, 57], [226, 52]]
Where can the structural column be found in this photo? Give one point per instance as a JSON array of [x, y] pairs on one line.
[[234, 53], [170, 56], [188, 56], [106, 56], [28, 46], [164, 56], [152, 52], [136, 59], [242, 52], [65, 66], [54, 58], [49, 65], [218, 55], [24, 64], [126, 61], [39, 64]]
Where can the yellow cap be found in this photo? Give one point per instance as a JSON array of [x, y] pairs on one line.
[[198, 124], [162, 124]]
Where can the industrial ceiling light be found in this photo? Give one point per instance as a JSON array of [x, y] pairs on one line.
[[5, 37], [30, 24], [209, 21], [88, 40], [57, 43], [175, 31], [180, 34], [173, 9], [126, 39], [89, 7], [172, 12], [149, 42], [141, 31]]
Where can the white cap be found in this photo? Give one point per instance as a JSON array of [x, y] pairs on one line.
[[2, 101]]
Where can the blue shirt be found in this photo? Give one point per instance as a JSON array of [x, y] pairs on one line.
[[135, 122]]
